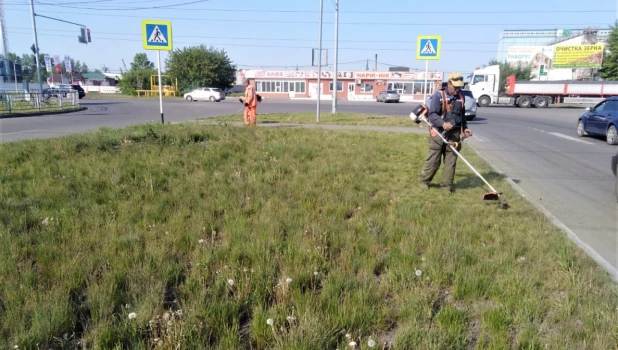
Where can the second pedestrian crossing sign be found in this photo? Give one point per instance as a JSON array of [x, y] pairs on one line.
[[157, 35], [428, 47]]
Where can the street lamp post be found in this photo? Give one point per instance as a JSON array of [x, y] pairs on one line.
[[335, 79], [320, 62], [36, 47]]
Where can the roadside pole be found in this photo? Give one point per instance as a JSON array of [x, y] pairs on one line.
[[335, 77], [425, 84], [320, 62], [428, 48], [157, 35], [36, 47], [160, 86]]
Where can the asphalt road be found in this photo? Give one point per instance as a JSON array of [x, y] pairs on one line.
[[570, 177], [122, 113]]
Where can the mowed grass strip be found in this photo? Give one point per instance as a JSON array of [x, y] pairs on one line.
[[215, 237], [325, 118]]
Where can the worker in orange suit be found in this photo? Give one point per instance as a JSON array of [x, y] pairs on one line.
[[250, 101]]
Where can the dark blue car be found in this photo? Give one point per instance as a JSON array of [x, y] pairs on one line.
[[601, 120]]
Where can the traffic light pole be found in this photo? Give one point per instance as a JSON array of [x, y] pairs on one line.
[[36, 47], [36, 41]]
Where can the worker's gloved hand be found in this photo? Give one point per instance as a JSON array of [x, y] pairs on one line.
[[246, 105], [241, 101], [468, 133]]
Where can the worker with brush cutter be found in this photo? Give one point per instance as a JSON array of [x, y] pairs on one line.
[[447, 114]]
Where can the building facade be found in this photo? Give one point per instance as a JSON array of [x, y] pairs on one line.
[[351, 85], [538, 48]]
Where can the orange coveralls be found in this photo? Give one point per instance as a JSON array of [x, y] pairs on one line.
[[251, 109]]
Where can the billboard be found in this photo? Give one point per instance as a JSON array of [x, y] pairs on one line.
[[578, 56], [537, 56]]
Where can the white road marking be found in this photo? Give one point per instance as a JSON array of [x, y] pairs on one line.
[[566, 137]]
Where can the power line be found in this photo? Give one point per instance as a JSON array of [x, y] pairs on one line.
[[166, 7], [536, 11], [435, 24], [269, 39], [265, 46]]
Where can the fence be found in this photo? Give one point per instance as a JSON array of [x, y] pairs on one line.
[[20, 102]]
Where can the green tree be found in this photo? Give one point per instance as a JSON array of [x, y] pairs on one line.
[[609, 67], [200, 66], [140, 61], [138, 77], [521, 71]]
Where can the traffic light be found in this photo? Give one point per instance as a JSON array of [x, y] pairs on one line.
[[82, 37], [88, 30]]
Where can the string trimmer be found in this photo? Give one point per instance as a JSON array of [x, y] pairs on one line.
[[418, 115]]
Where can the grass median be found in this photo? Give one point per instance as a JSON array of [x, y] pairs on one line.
[[216, 237], [326, 118], [21, 108]]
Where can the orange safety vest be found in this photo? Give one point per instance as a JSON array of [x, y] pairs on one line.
[[446, 108]]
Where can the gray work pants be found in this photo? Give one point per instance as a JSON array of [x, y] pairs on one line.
[[438, 150]]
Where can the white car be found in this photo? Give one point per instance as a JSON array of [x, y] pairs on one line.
[[205, 94]]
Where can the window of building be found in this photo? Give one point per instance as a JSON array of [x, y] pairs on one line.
[[280, 86], [339, 86], [366, 87], [411, 87]]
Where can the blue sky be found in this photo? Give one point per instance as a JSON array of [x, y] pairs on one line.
[[283, 38]]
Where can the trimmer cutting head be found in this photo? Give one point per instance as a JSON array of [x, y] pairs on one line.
[[491, 196], [495, 196]]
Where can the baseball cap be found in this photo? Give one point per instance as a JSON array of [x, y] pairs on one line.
[[456, 79]]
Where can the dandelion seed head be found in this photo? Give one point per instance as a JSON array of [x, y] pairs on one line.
[[419, 272], [315, 273], [132, 315], [201, 241], [230, 282], [288, 280], [352, 344], [348, 336], [371, 343], [270, 322]]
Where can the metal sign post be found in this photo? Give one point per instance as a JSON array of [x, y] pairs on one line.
[[157, 35]]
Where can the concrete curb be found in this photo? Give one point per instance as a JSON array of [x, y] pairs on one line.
[[613, 272], [38, 114]]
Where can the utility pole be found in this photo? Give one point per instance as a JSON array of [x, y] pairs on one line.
[[36, 47], [376, 67], [320, 61], [367, 65], [15, 73], [335, 80]]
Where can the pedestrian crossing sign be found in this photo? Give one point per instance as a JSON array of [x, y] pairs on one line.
[[157, 35], [428, 47]]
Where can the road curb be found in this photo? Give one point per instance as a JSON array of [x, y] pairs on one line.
[[38, 114], [613, 272]]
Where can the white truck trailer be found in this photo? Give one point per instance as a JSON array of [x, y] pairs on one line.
[[486, 90]]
